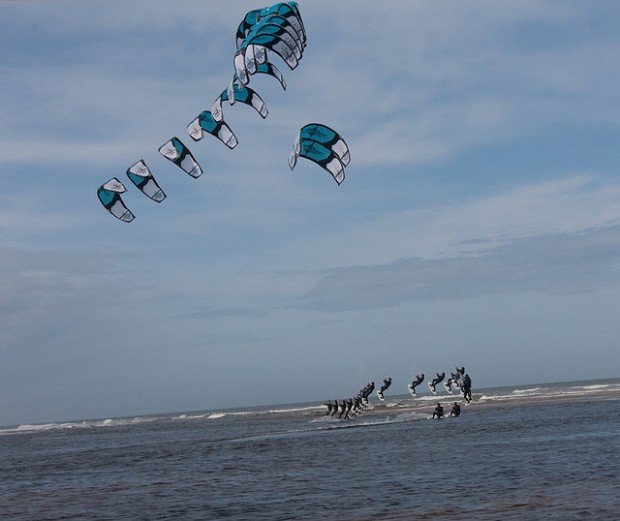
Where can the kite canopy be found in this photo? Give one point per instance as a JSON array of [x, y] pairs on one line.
[[109, 195], [278, 29], [329, 138], [241, 93], [205, 122], [141, 176], [324, 146], [179, 154]]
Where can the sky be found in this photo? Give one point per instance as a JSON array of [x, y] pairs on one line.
[[478, 225]]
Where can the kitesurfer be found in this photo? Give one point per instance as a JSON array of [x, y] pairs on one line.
[[349, 405], [466, 388], [438, 412], [435, 381], [386, 384], [456, 409], [452, 381], [329, 408], [419, 378], [366, 392]]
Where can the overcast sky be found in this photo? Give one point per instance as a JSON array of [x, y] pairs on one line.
[[479, 223]]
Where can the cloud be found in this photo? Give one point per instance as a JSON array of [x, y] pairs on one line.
[[430, 231], [562, 263]]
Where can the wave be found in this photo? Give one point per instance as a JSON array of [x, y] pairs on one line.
[[28, 428], [528, 391], [541, 393], [42, 427], [284, 410], [435, 397], [296, 409]]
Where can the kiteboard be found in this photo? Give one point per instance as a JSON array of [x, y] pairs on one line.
[[432, 388], [380, 395], [411, 390]]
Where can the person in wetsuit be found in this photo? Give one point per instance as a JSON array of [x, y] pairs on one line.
[[329, 408], [357, 406], [366, 392], [438, 412], [419, 378], [466, 388], [456, 409], [435, 381], [386, 384], [335, 408], [343, 406], [349, 405], [452, 381]]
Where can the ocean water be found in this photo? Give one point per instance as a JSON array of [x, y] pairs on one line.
[[534, 452]]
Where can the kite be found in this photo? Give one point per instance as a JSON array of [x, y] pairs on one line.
[[108, 194], [179, 154], [141, 176]]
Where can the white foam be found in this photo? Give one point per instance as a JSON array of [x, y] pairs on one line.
[[528, 391], [433, 397], [541, 393], [108, 422], [296, 409], [216, 415]]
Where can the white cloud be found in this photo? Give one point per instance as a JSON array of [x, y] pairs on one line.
[[567, 205]]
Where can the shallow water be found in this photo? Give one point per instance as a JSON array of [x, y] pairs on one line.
[[537, 452]]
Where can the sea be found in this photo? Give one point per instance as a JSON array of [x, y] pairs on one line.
[[548, 451]]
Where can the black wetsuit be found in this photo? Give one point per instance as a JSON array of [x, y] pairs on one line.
[[419, 378], [349, 405], [343, 406], [452, 381], [335, 406], [438, 412], [456, 410], [386, 384], [435, 381], [329, 408], [366, 392], [466, 388]]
